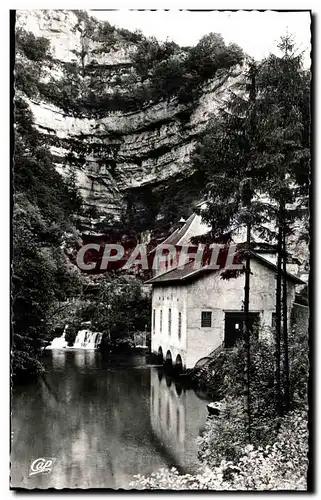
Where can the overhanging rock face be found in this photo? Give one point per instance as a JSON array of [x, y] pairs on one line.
[[114, 152]]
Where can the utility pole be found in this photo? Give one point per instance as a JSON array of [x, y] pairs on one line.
[[285, 330], [247, 327], [278, 315]]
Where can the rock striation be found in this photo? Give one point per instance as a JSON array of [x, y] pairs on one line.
[[115, 154]]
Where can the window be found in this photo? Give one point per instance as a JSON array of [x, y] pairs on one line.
[[179, 325], [169, 321], [161, 321], [154, 320], [206, 319]]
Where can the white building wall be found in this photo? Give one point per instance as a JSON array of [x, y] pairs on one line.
[[211, 293], [163, 299]]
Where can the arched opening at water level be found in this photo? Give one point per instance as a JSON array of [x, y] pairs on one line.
[[160, 356], [168, 361], [178, 364]]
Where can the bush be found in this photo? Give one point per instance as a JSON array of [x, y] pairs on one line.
[[223, 378], [282, 466], [117, 346], [34, 48], [71, 333], [119, 310], [224, 436]]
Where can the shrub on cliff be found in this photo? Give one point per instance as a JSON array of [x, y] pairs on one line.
[[161, 70], [175, 72], [210, 54]]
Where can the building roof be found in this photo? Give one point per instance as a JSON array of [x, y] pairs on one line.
[[192, 227], [183, 274]]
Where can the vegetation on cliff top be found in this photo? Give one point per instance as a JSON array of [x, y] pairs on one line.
[[155, 71]]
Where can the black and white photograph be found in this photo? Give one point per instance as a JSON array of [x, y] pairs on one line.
[[161, 250]]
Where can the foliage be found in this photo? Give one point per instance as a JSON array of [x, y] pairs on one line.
[[41, 278], [225, 160], [299, 365], [31, 53], [224, 379], [160, 70], [211, 54], [34, 48], [277, 458], [280, 466], [259, 139], [175, 72], [119, 310], [44, 209], [250, 161], [121, 346]]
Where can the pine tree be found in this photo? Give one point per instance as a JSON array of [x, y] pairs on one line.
[[226, 159], [283, 93], [269, 162]]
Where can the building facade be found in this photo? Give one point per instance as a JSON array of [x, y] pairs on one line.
[[194, 313]]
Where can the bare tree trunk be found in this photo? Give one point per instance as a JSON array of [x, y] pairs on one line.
[[285, 332], [278, 314], [247, 330]]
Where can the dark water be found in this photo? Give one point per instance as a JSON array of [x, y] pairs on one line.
[[102, 422]]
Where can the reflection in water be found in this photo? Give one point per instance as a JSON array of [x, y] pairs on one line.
[[86, 358], [58, 358], [177, 416], [102, 424], [178, 389]]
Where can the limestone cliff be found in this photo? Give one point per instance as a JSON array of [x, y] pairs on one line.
[[103, 123]]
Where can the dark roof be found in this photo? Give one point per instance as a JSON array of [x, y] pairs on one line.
[[179, 274], [183, 274]]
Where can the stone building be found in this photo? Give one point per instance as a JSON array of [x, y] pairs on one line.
[[196, 311]]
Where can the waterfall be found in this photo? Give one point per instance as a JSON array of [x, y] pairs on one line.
[[59, 342], [87, 339]]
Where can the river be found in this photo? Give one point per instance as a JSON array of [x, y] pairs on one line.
[[102, 422]]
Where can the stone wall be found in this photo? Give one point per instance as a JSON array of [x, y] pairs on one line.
[[300, 316]]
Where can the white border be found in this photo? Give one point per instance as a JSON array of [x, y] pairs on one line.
[[4, 179]]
